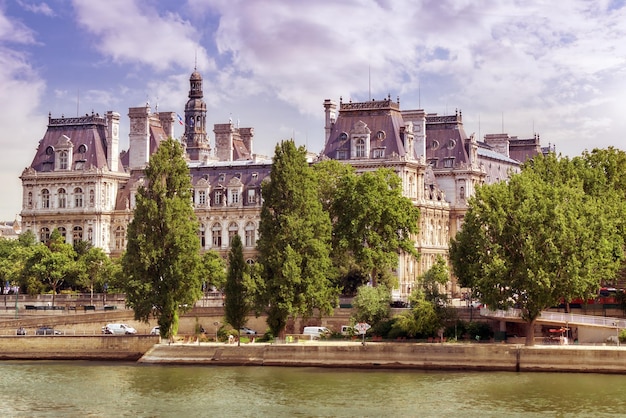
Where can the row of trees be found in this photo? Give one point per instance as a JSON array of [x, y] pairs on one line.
[[323, 229], [56, 265], [551, 233]]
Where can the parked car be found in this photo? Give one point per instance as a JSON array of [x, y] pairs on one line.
[[46, 330], [118, 329], [155, 331], [247, 331], [316, 332]]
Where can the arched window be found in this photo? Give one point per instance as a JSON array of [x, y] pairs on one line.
[[250, 234], [63, 233], [360, 148], [77, 234], [233, 229], [78, 197], [62, 196], [44, 234], [120, 238], [63, 160], [216, 232], [45, 199]]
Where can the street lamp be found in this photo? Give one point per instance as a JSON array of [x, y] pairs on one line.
[[17, 293]]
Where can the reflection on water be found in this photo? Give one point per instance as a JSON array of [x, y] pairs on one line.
[[79, 389]]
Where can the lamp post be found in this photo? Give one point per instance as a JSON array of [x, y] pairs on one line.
[[17, 293]]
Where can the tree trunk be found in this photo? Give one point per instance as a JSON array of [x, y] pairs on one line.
[[530, 333]]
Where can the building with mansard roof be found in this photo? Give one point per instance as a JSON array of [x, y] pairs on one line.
[[81, 184]]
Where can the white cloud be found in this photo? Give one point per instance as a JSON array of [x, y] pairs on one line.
[[131, 32], [40, 8]]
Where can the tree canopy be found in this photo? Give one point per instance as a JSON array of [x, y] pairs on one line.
[[373, 221], [162, 260], [539, 237], [294, 242], [237, 303]]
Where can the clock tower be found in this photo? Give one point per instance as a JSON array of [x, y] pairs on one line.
[[195, 137]]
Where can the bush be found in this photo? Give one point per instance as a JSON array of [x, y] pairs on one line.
[[622, 336], [479, 331]]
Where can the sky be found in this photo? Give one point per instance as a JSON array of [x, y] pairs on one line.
[[552, 68]]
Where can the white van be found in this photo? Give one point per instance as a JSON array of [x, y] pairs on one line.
[[118, 329], [316, 332]]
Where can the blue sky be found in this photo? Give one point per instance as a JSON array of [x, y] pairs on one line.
[[539, 66]]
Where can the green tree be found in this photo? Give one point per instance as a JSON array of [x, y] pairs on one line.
[[237, 304], [372, 304], [213, 270], [530, 242], [162, 261], [93, 269], [373, 222], [50, 266], [294, 242], [9, 270], [423, 319], [433, 280]]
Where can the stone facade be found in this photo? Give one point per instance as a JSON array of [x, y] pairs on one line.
[[80, 183]]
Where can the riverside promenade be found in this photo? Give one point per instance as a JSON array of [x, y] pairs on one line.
[[381, 355]]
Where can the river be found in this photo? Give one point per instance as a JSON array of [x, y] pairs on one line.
[[89, 389]]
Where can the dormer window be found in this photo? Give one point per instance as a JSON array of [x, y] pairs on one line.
[[448, 162], [360, 148], [380, 135], [343, 136], [63, 160], [222, 177]]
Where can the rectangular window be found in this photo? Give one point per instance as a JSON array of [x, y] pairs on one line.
[[448, 162], [218, 197], [251, 196], [234, 197], [202, 197]]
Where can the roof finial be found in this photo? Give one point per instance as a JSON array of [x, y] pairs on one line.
[[195, 62]]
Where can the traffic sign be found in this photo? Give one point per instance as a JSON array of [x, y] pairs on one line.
[[362, 327]]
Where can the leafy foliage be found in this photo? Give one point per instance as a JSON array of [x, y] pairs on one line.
[[213, 270], [237, 304], [294, 242], [540, 237], [162, 261], [373, 221], [371, 304], [50, 265]]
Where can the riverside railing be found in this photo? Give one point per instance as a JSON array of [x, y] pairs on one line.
[[565, 318]]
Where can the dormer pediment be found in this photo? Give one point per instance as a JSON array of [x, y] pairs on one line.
[[64, 142], [360, 128]]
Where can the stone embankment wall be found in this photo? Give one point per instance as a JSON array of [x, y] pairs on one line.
[[475, 357], [62, 347]]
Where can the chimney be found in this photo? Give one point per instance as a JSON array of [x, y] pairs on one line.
[[139, 137], [113, 140], [330, 109]]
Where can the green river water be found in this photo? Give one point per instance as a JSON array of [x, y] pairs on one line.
[[88, 389]]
